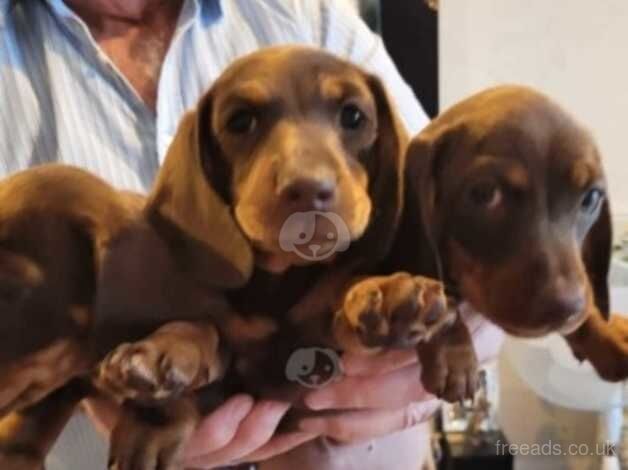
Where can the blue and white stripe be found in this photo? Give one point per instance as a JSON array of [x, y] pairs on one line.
[[62, 100]]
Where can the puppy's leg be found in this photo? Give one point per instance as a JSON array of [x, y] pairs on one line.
[[152, 438], [178, 357], [393, 311], [449, 363], [26, 436], [402, 310], [604, 344]]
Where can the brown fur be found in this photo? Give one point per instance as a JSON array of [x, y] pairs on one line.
[[239, 180], [121, 267]]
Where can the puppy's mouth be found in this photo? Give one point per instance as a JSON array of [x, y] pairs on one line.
[[572, 324], [319, 247], [302, 239]]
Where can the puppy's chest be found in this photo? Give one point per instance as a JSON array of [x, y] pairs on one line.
[[273, 295]]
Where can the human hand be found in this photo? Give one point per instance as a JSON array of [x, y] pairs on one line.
[[378, 396], [239, 430], [383, 394]]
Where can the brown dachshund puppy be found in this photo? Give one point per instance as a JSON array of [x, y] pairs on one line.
[[262, 147], [506, 203], [289, 158], [67, 242], [283, 184]]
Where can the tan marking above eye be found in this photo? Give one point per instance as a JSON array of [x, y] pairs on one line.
[[517, 177], [336, 88], [331, 88], [80, 315], [582, 174], [250, 93]]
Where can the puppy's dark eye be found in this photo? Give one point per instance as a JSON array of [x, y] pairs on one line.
[[351, 117], [591, 200], [487, 195], [242, 122]]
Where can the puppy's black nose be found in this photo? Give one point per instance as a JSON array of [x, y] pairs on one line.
[[566, 300], [309, 193]]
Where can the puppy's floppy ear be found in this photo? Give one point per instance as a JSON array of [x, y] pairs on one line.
[[596, 254], [385, 165], [423, 221], [189, 211]]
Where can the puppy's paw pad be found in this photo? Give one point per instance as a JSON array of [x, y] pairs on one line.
[[397, 311], [149, 370], [416, 309], [373, 328], [364, 305]]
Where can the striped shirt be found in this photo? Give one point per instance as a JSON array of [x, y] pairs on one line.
[[63, 100]]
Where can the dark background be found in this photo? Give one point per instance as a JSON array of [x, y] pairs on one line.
[[410, 32]]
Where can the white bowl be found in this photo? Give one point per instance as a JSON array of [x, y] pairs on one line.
[[548, 366]]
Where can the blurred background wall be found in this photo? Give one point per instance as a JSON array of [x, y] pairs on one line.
[[574, 50]]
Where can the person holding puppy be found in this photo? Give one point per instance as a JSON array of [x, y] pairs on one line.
[[102, 84]]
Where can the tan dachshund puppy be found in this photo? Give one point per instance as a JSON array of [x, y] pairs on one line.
[[67, 240]]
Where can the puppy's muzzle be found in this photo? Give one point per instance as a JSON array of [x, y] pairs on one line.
[[565, 301], [307, 190]]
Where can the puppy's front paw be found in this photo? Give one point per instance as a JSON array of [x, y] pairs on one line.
[[616, 368], [177, 358], [607, 349], [450, 368], [450, 372], [395, 311], [151, 370], [152, 438]]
